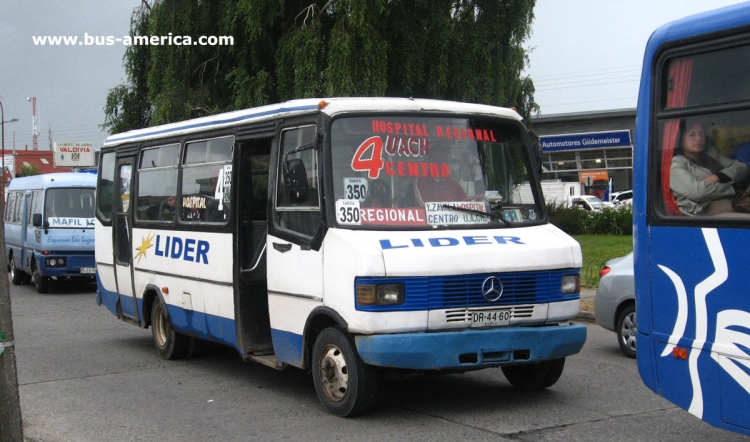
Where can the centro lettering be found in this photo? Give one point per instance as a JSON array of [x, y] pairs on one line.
[[386, 244], [188, 249]]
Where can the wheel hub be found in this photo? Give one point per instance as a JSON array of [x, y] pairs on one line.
[[334, 373]]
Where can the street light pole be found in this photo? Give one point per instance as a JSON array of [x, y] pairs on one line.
[[11, 425]]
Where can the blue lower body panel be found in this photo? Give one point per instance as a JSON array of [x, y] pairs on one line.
[[467, 349]]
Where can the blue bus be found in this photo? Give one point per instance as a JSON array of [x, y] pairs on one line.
[[49, 228], [691, 221]]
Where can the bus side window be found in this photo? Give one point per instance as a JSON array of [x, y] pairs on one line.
[[157, 181], [207, 180], [301, 216]]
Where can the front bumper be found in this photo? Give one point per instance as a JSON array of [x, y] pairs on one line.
[[467, 349]]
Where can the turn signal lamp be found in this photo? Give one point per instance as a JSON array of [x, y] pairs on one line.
[[322, 104], [680, 353]]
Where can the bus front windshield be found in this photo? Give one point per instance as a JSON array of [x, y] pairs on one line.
[[431, 172], [70, 207]]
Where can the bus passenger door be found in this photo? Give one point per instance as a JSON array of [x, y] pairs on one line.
[[122, 240], [26, 243]]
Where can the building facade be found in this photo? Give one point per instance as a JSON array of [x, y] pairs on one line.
[[593, 148]]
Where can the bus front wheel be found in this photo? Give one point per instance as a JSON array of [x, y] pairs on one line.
[[41, 282], [536, 376], [169, 343], [345, 385]]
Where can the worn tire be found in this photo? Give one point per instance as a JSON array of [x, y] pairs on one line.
[[627, 329], [169, 343], [535, 376], [345, 385], [16, 276]]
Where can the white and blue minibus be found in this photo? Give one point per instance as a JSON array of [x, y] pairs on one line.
[[49, 228], [354, 237]]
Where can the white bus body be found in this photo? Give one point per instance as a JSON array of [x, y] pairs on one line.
[[312, 233]]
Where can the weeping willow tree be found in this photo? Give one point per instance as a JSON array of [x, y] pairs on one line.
[[465, 50]]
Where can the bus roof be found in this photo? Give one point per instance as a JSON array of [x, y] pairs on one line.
[[329, 106], [721, 19], [47, 180]]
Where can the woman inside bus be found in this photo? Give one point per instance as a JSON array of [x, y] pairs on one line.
[[701, 179]]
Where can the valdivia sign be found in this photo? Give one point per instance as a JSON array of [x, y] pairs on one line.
[[74, 155]]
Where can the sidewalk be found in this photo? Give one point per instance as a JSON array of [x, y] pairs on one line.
[[587, 304]]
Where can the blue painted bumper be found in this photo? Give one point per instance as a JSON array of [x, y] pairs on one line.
[[467, 349]]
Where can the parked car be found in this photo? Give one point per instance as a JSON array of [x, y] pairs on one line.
[[588, 202], [614, 304], [624, 197]]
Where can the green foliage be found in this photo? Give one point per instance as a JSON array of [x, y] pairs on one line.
[[28, 170], [466, 50], [571, 220], [575, 221]]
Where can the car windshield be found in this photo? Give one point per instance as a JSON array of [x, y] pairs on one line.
[[430, 172]]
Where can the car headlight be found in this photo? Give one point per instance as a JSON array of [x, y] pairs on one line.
[[571, 284], [380, 294]]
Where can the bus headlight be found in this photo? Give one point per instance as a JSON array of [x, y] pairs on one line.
[[381, 294], [55, 262], [571, 283]]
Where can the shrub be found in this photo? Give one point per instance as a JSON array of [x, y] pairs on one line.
[[616, 220]]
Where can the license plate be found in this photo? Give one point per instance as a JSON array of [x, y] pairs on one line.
[[88, 270], [490, 318]]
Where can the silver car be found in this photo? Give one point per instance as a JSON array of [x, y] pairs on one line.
[[614, 305]]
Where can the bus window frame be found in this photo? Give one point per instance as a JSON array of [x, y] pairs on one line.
[[295, 236], [660, 113]]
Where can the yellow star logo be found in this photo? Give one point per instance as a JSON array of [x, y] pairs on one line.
[[145, 245]]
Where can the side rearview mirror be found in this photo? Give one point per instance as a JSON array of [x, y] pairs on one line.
[[295, 178], [36, 220]]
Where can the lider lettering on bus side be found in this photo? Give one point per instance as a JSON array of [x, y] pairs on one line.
[[188, 249], [386, 244]]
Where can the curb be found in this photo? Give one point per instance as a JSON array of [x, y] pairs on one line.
[[586, 316]]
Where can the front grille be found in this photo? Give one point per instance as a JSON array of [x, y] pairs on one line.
[[465, 291]]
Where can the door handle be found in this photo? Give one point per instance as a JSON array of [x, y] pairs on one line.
[[282, 247]]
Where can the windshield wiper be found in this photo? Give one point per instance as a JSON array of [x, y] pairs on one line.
[[477, 212]]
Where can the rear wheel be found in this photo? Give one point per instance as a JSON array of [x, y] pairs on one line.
[[535, 376], [16, 276], [346, 386], [627, 330], [169, 343]]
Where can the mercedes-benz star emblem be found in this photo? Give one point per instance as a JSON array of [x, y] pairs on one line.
[[492, 288]]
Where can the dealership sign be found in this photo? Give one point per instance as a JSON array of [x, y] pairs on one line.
[[74, 155], [591, 140]]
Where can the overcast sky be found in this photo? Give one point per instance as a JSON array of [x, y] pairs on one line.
[[586, 55]]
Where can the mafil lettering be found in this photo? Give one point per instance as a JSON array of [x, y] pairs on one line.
[[386, 244], [187, 249]]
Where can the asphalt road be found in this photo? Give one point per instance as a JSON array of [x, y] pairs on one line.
[[84, 376]]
